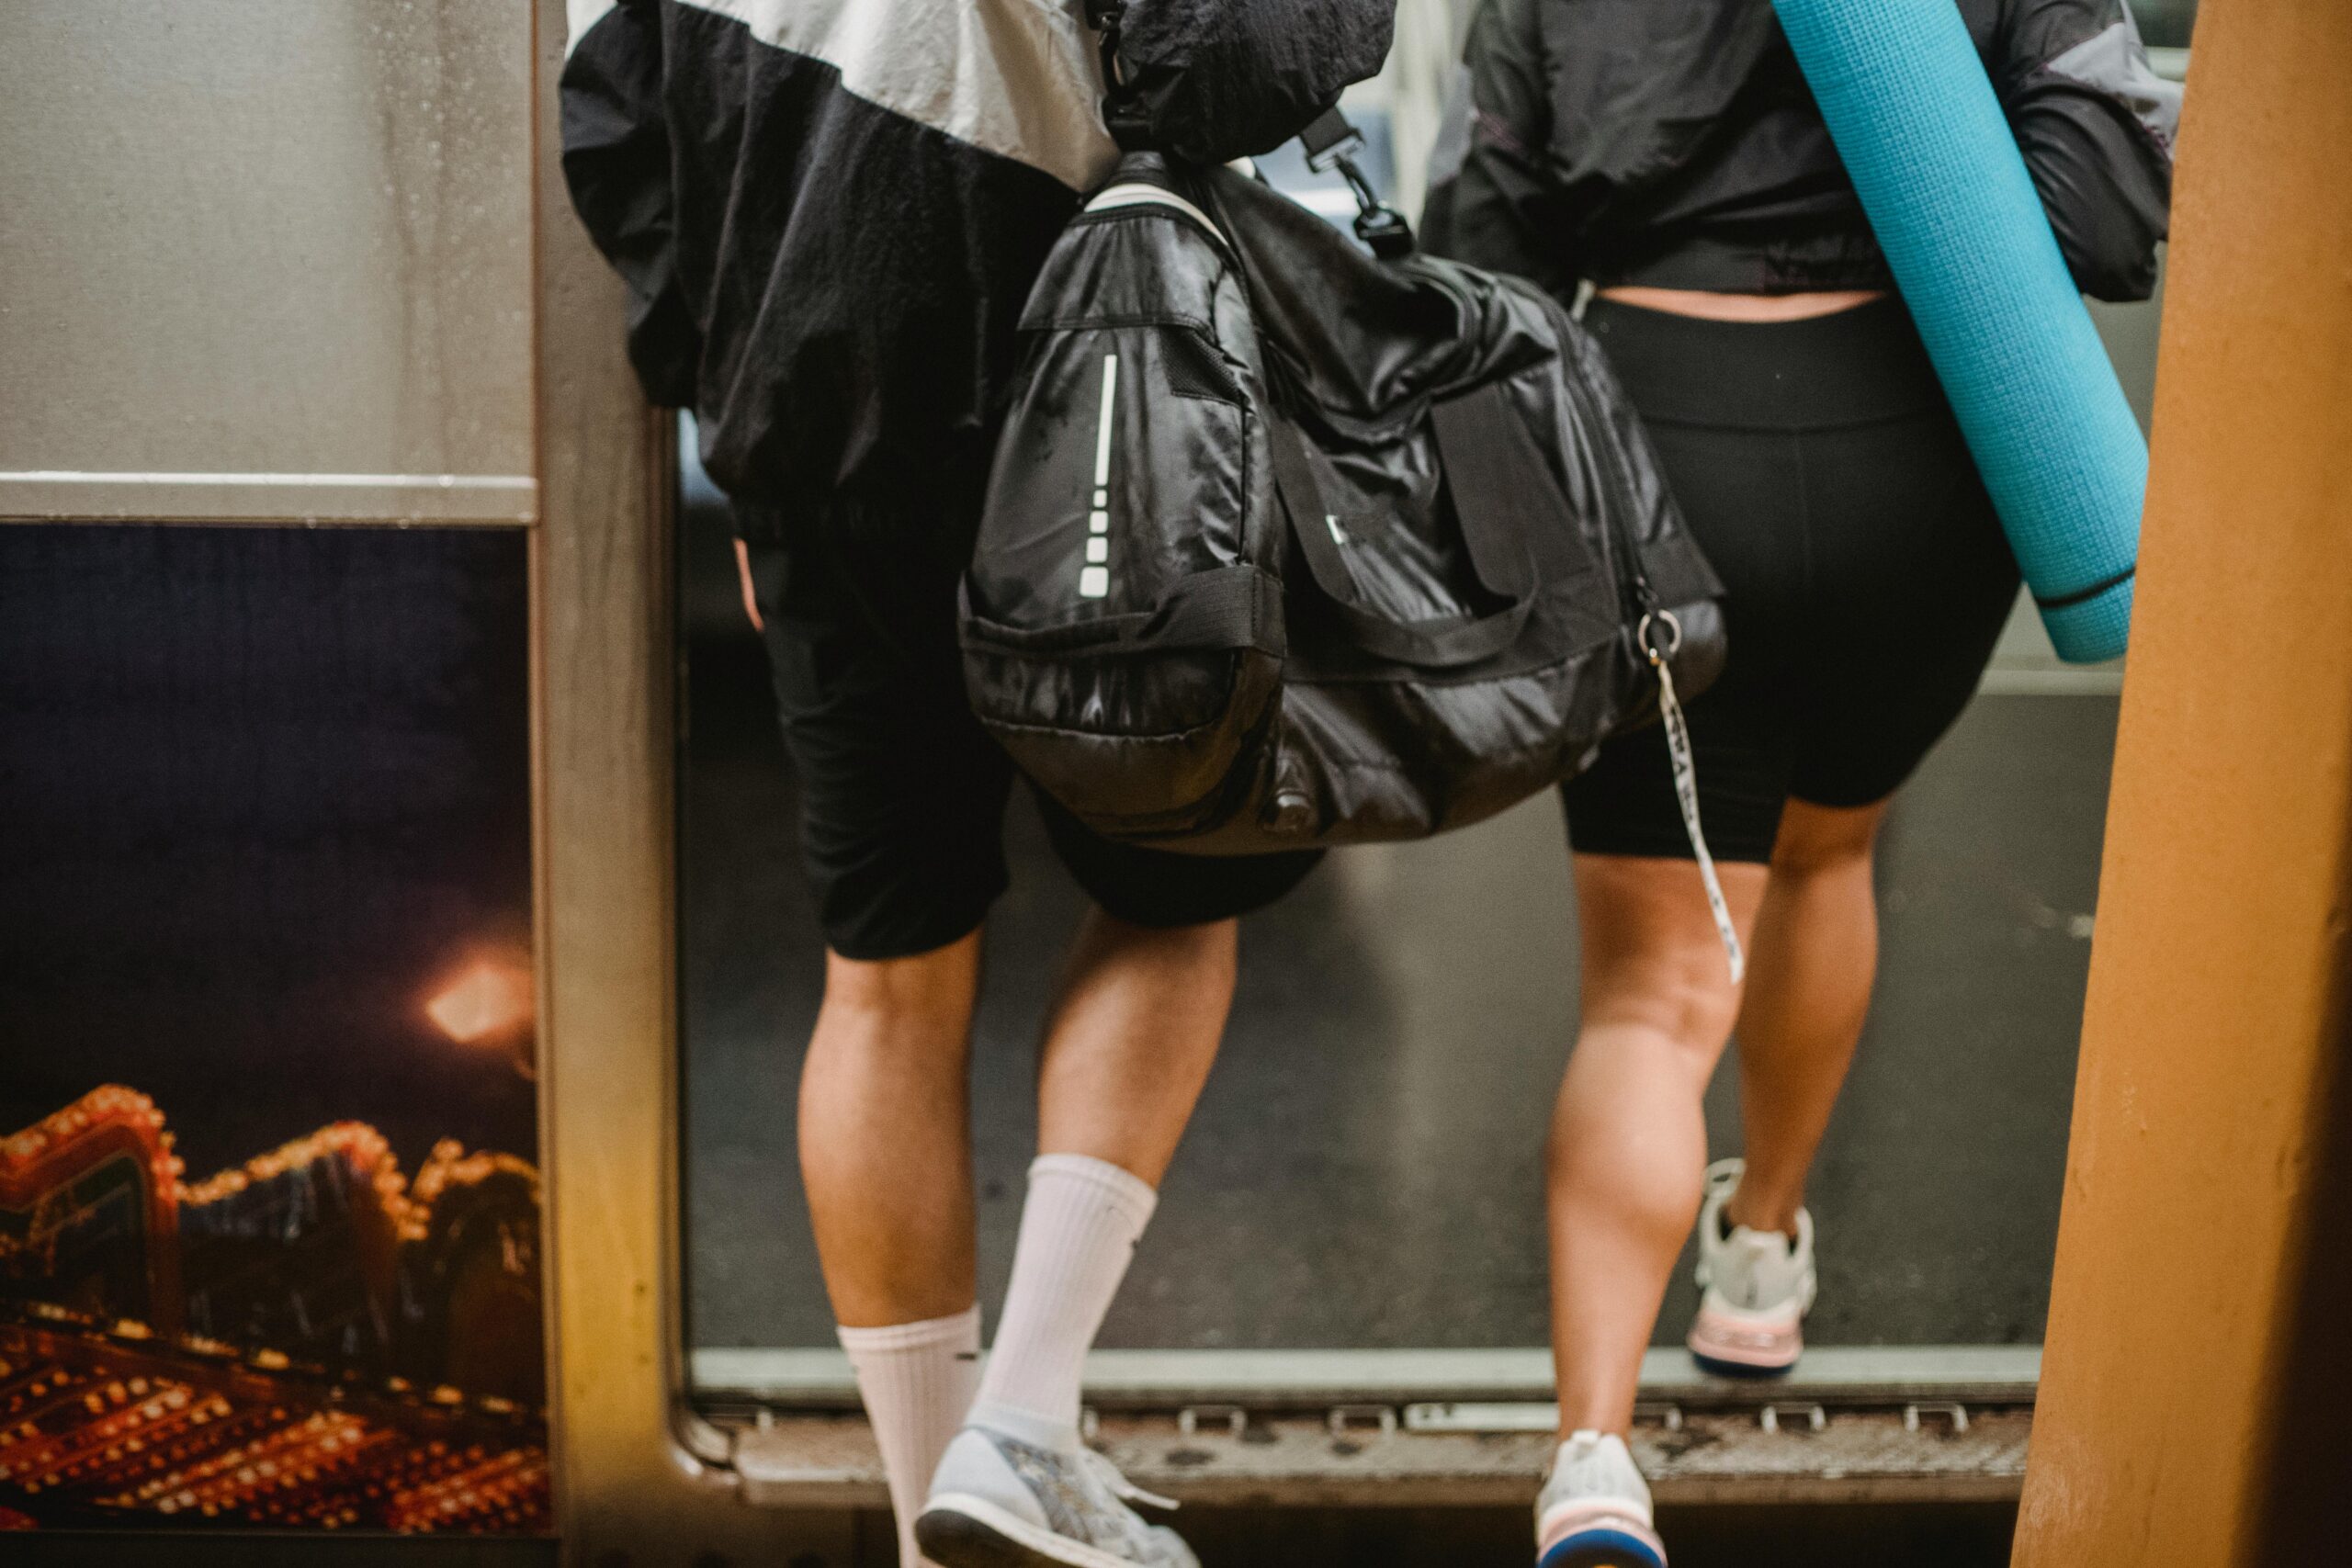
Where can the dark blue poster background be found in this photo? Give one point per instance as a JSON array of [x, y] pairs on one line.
[[266, 871]]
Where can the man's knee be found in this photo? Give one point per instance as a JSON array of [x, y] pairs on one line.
[[920, 999], [1208, 950]]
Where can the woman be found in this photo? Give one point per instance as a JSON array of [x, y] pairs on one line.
[[1669, 154]]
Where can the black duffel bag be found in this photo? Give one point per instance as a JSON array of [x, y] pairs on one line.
[[1285, 546]]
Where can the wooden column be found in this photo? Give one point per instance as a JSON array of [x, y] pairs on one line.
[[2205, 1178]]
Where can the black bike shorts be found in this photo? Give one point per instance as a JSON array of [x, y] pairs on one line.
[[902, 794], [1820, 468]]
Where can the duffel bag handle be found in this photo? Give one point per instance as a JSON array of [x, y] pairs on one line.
[[1502, 495]]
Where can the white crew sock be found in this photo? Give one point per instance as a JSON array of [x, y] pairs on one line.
[[1079, 1228], [916, 1380]]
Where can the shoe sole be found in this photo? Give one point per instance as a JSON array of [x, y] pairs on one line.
[[1732, 1348], [1602, 1548], [1747, 1372], [956, 1529]]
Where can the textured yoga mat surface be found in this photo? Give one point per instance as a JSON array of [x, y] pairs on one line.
[[1918, 127]]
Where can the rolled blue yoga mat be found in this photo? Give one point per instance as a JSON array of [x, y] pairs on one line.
[[1930, 151]]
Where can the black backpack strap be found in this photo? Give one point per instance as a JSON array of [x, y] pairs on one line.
[[1220, 611], [1472, 432]]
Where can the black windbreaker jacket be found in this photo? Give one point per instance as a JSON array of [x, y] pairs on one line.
[[829, 212], [1675, 143]]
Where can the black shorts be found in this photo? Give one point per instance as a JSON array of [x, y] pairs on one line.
[[1868, 577], [902, 794]]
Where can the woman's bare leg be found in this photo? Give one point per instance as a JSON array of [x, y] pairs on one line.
[[1628, 1148], [1808, 989]]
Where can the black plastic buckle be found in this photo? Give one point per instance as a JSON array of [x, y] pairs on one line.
[[1329, 140], [1383, 228], [1332, 143], [1130, 127]]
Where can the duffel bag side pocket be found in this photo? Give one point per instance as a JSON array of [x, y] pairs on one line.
[[1119, 642]]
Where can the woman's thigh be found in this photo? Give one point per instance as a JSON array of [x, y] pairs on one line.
[[1742, 493], [1912, 582]]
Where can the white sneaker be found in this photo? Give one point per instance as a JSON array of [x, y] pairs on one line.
[[1756, 1288], [1015, 1492], [1595, 1510]]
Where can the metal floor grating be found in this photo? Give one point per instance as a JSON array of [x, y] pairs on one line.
[[1945, 1423]]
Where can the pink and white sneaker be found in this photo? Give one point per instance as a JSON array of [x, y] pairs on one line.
[[1756, 1288], [1595, 1510]]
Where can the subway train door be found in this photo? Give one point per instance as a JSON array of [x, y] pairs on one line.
[[1341, 1302]]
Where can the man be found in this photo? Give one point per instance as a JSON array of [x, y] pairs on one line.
[[830, 213]]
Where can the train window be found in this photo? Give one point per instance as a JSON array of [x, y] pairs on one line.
[[2164, 24]]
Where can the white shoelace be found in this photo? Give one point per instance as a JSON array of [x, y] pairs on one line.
[[1118, 1485]]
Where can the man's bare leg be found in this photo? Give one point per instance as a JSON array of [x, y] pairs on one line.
[[1129, 1046], [885, 1138], [1133, 1036], [885, 1156]]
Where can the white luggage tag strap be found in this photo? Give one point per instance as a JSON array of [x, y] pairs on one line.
[[1686, 781]]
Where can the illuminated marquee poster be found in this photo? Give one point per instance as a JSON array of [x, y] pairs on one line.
[[269, 1211]]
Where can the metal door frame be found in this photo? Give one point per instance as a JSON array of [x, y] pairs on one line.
[[639, 1470], [639, 1478]]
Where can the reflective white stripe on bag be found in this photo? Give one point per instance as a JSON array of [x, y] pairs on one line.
[[1094, 578]]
